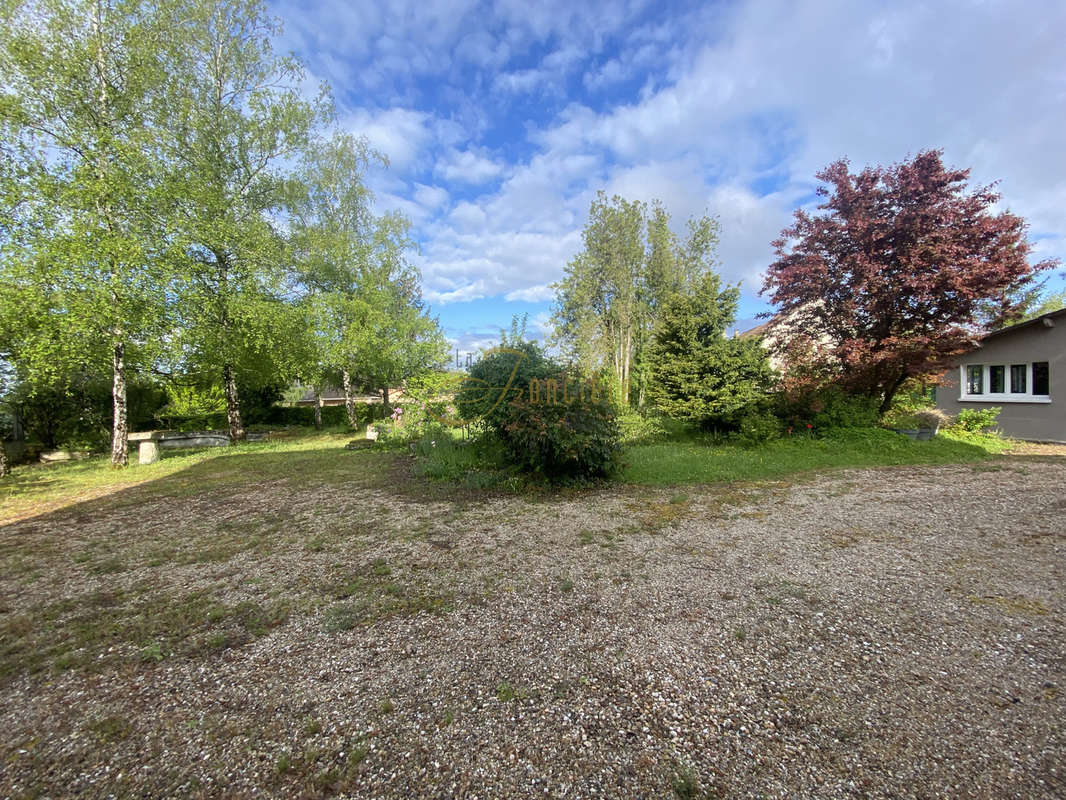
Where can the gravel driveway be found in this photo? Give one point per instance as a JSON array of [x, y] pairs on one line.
[[874, 633]]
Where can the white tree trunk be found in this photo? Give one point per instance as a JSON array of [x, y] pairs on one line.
[[233, 405], [349, 399], [120, 454]]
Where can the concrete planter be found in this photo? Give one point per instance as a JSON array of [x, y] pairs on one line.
[[918, 434]]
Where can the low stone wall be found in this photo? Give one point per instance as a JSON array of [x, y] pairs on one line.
[[194, 439]]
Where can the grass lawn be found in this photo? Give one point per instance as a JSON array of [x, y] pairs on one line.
[[670, 463]]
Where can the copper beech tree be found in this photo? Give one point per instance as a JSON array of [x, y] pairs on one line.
[[889, 281]]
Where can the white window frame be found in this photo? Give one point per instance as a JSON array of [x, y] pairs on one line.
[[999, 397]]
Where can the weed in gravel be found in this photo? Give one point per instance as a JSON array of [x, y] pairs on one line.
[[283, 764], [566, 585], [101, 627], [685, 783], [153, 653], [656, 516], [111, 728], [1012, 605], [606, 539], [368, 597], [386, 706], [507, 693]]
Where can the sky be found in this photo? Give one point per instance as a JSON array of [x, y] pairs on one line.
[[501, 121]]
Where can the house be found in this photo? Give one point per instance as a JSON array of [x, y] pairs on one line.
[[1022, 370]]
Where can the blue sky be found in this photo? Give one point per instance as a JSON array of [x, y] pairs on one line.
[[502, 120]]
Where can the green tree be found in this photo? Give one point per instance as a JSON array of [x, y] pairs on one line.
[[697, 373], [237, 120], [614, 289], [83, 271], [1044, 304], [333, 234]]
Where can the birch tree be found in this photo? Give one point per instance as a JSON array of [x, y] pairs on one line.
[[82, 276], [238, 119]]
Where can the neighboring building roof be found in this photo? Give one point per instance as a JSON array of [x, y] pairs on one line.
[[1047, 320], [758, 330]]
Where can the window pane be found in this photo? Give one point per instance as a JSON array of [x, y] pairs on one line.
[[996, 377], [975, 379], [1041, 382], [1017, 378]]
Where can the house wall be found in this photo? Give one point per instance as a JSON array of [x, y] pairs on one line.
[[1022, 420]]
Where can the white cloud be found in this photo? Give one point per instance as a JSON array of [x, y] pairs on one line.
[[467, 216], [430, 197], [468, 167], [398, 133], [740, 105], [532, 294]]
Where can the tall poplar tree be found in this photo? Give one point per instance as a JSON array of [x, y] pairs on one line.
[[614, 289]]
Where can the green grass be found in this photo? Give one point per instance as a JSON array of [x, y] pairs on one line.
[[34, 488], [674, 463]]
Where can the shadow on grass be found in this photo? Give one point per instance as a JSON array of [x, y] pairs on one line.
[[197, 554]]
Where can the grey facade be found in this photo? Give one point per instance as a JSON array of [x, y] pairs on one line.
[[1020, 369]]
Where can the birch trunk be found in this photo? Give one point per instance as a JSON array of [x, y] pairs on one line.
[[3, 460], [120, 453], [385, 410], [318, 409], [120, 424], [349, 399], [233, 406]]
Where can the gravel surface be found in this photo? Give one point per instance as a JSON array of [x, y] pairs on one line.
[[870, 633]]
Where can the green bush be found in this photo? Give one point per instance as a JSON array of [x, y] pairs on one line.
[[642, 427], [900, 419], [564, 441], [826, 409], [974, 420], [759, 426], [77, 414], [498, 377]]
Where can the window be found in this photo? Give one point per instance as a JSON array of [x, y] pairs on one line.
[[988, 383], [1017, 378], [1041, 378], [996, 377]]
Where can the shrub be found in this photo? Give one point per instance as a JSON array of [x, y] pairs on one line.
[[759, 426], [975, 420], [922, 418], [697, 374], [826, 408], [564, 441], [77, 414], [641, 427], [498, 377]]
